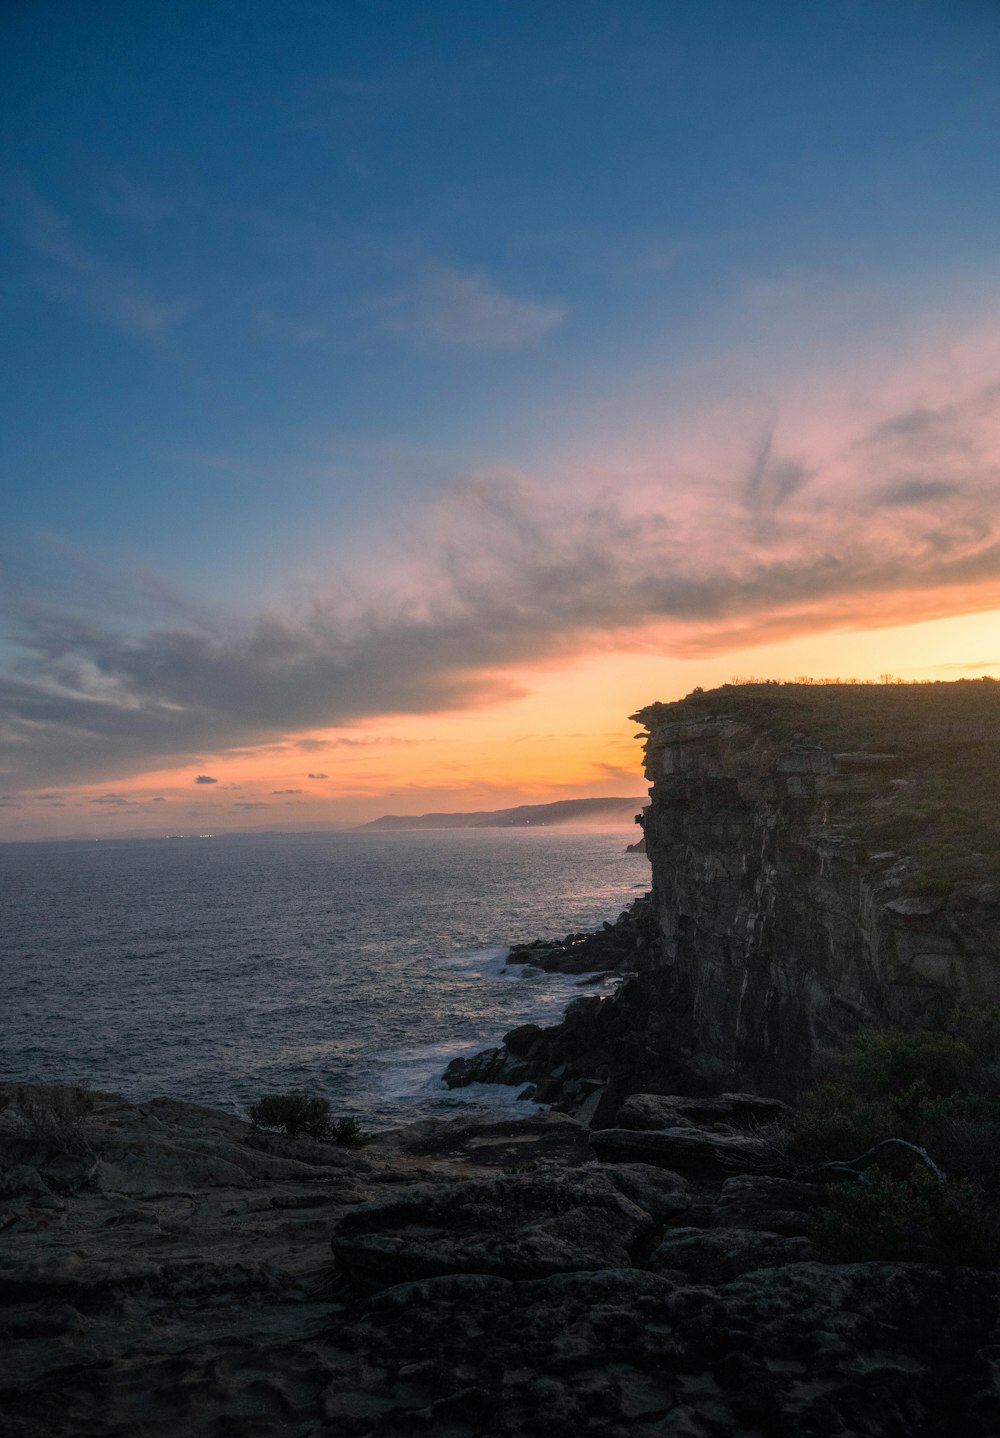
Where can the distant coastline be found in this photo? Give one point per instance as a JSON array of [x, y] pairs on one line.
[[563, 811]]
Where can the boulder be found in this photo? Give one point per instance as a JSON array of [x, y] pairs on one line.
[[661, 1193], [696, 1255], [774, 1205], [521, 1041], [515, 1226], [688, 1151], [739, 1110]]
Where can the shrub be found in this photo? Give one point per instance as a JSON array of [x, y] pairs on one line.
[[348, 1131], [979, 1026], [887, 1062], [833, 1122], [918, 1219], [299, 1113], [292, 1113], [52, 1115]]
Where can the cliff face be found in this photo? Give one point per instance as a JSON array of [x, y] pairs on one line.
[[804, 889]]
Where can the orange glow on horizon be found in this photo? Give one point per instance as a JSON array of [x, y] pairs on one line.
[[569, 737]]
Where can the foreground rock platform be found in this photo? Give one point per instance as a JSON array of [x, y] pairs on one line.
[[167, 1270]]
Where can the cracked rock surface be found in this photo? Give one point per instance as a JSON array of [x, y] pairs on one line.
[[182, 1273]]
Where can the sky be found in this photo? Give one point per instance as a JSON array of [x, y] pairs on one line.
[[397, 396]]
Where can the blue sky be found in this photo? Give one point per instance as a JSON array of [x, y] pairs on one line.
[[283, 280]]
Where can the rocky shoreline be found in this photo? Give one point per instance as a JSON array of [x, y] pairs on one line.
[[166, 1269], [583, 1065]]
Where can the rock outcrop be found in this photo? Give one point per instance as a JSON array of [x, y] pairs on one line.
[[169, 1270], [809, 875], [824, 859]]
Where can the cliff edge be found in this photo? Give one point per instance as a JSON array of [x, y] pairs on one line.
[[824, 858]]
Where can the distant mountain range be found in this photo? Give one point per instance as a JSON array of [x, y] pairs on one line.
[[564, 811]]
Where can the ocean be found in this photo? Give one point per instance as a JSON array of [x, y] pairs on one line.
[[350, 965]]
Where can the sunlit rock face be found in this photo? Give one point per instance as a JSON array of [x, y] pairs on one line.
[[787, 920]]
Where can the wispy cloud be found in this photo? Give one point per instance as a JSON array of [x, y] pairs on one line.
[[467, 309], [836, 517], [76, 275]]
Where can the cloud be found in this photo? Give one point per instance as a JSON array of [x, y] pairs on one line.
[[317, 776], [118, 800], [205, 779], [79, 277], [977, 667], [344, 741], [680, 545], [247, 804], [920, 491], [467, 309], [286, 791]]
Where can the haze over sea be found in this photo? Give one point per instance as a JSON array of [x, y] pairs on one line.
[[352, 965]]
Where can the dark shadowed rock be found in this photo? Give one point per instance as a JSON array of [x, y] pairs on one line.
[[661, 1193], [777, 1205], [216, 1311], [737, 1110], [697, 1255], [538, 1138], [517, 1226], [688, 1151], [520, 1041]]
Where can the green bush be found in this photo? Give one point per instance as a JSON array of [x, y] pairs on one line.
[[349, 1133], [934, 1090], [299, 1113], [960, 1131], [937, 1091], [979, 1026], [53, 1115], [888, 1062], [919, 1219], [292, 1113]]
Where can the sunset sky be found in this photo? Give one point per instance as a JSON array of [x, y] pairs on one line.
[[398, 395]]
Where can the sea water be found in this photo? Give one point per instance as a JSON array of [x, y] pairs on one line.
[[350, 965]]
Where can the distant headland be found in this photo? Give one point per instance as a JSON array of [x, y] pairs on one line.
[[563, 811]]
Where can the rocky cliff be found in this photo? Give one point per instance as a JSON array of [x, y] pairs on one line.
[[824, 858]]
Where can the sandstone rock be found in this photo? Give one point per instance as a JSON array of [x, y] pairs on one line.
[[776, 1205], [650, 1111], [535, 1140], [662, 1194], [718, 1256], [688, 1151], [217, 1311], [741, 1110], [780, 930], [518, 1226]]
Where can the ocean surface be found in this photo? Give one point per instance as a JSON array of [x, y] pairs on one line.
[[352, 965]]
